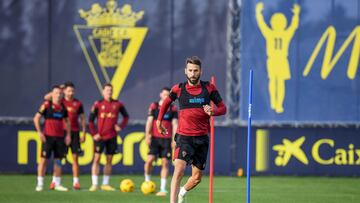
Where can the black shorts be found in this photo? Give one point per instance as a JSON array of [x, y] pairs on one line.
[[54, 145], [110, 146], [160, 147], [192, 149], [75, 143]]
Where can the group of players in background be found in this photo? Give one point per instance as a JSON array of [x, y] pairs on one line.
[[184, 130]]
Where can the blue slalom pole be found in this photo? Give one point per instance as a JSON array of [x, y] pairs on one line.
[[249, 139]]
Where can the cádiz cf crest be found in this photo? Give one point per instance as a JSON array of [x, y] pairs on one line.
[[110, 42]]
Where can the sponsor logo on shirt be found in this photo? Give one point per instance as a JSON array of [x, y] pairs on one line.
[[196, 100]]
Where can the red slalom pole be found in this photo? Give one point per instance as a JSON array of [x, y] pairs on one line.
[[212, 121]]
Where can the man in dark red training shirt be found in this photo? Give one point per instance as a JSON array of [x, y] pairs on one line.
[[192, 139], [52, 136], [107, 112], [75, 111]]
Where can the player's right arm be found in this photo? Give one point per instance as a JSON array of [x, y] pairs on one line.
[[48, 96], [148, 128], [174, 93], [149, 121], [265, 30], [37, 118], [93, 115]]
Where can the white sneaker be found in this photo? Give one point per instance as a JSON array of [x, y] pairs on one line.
[[60, 188], [39, 188], [181, 199], [162, 193]]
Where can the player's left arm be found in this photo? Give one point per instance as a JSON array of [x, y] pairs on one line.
[[125, 118], [219, 103]]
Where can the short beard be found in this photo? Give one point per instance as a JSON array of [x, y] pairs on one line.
[[193, 82]]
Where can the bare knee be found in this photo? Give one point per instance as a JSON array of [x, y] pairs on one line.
[[96, 159], [149, 162], [109, 160]]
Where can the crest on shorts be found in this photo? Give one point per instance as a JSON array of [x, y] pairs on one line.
[[184, 153], [110, 42]]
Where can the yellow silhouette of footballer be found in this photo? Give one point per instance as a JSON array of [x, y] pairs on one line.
[[278, 38]]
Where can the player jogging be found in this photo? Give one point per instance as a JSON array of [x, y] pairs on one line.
[[192, 139]]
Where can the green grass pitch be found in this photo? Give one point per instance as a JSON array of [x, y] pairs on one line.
[[20, 188]]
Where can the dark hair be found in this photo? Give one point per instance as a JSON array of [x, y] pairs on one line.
[[108, 85], [69, 84], [55, 87], [193, 60], [166, 88]]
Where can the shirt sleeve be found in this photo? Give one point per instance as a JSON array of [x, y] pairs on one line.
[[174, 92], [81, 109], [220, 109], [92, 117], [151, 110], [216, 98], [64, 111], [164, 107], [214, 94], [43, 107], [175, 112], [125, 115]]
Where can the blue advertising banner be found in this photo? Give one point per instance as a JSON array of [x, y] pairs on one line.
[[307, 151], [22, 146], [305, 57], [275, 151]]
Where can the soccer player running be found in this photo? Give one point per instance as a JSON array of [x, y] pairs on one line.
[[192, 139], [52, 136], [107, 112], [160, 144], [75, 111]]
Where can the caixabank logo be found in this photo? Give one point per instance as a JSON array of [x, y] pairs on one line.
[[304, 151], [110, 42]]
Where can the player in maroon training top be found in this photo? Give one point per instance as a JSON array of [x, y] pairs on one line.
[[159, 144], [107, 112], [52, 137], [192, 139], [75, 111]]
